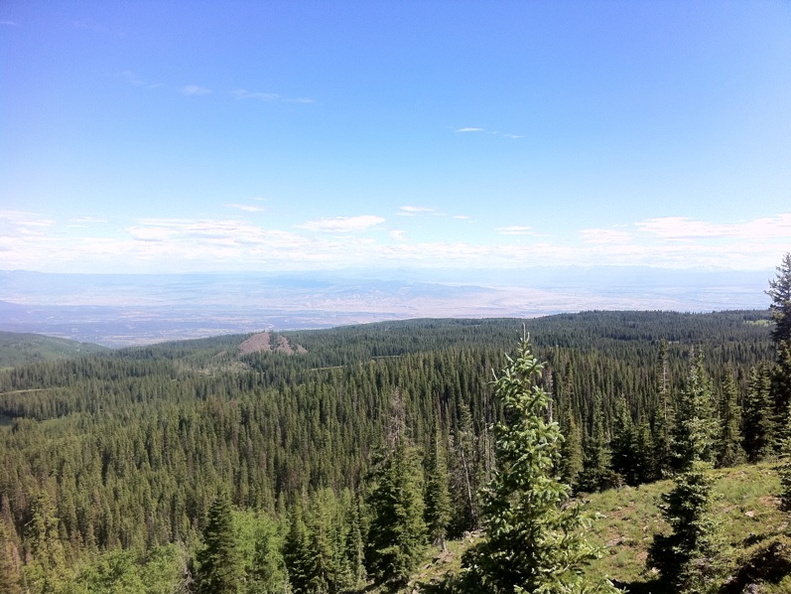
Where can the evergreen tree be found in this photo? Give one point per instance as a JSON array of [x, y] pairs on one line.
[[780, 308], [219, 562], [686, 558], [664, 418], [758, 419], [784, 470], [625, 461], [266, 574], [10, 563], [354, 547], [298, 554], [696, 428], [47, 572], [730, 448], [397, 532], [596, 473], [437, 498], [571, 460], [532, 538]]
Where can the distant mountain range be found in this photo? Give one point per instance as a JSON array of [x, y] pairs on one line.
[[121, 310]]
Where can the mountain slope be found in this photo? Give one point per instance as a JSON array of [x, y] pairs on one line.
[[19, 349]]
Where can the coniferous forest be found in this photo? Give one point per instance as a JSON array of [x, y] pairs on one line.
[[340, 460]]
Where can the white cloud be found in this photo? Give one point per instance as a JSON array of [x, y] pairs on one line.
[[35, 242], [9, 23], [410, 211], [273, 97], [605, 236], [515, 230], [684, 228], [490, 132], [343, 224], [246, 207], [196, 90]]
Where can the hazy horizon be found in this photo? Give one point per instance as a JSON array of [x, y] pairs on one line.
[[122, 309]]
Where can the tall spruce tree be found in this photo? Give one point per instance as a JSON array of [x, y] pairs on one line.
[[664, 417], [780, 308], [758, 418], [47, 571], [731, 451], [686, 558], [696, 427], [571, 452], [220, 566], [596, 474], [437, 498], [397, 532], [532, 538]]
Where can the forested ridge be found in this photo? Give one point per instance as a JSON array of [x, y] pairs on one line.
[[192, 467]]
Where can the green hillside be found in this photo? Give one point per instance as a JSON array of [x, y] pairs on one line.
[[118, 468], [18, 349], [752, 532]]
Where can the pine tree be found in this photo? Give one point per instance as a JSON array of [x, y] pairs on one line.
[[730, 449], [780, 308], [10, 563], [267, 571], [664, 418], [696, 428], [758, 418], [47, 571], [571, 453], [532, 538], [219, 562], [784, 470], [686, 558], [298, 554], [596, 474], [397, 533], [437, 498], [625, 461]]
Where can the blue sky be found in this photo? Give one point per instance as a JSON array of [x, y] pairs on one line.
[[264, 136]]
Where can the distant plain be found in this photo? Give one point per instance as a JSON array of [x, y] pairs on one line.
[[123, 310]]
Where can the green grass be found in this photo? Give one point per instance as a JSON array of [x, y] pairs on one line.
[[746, 510]]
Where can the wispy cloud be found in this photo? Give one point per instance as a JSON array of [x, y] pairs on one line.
[[195, 90], [9, 23], [605, 236], [246, 207], [491, 132], [683, 228], [515, 230], [271, 97], [343, 224], [133, 79], [411, 211], [34, 241]]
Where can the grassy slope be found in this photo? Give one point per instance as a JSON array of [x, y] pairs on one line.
[[18, 349], [746, 510]]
